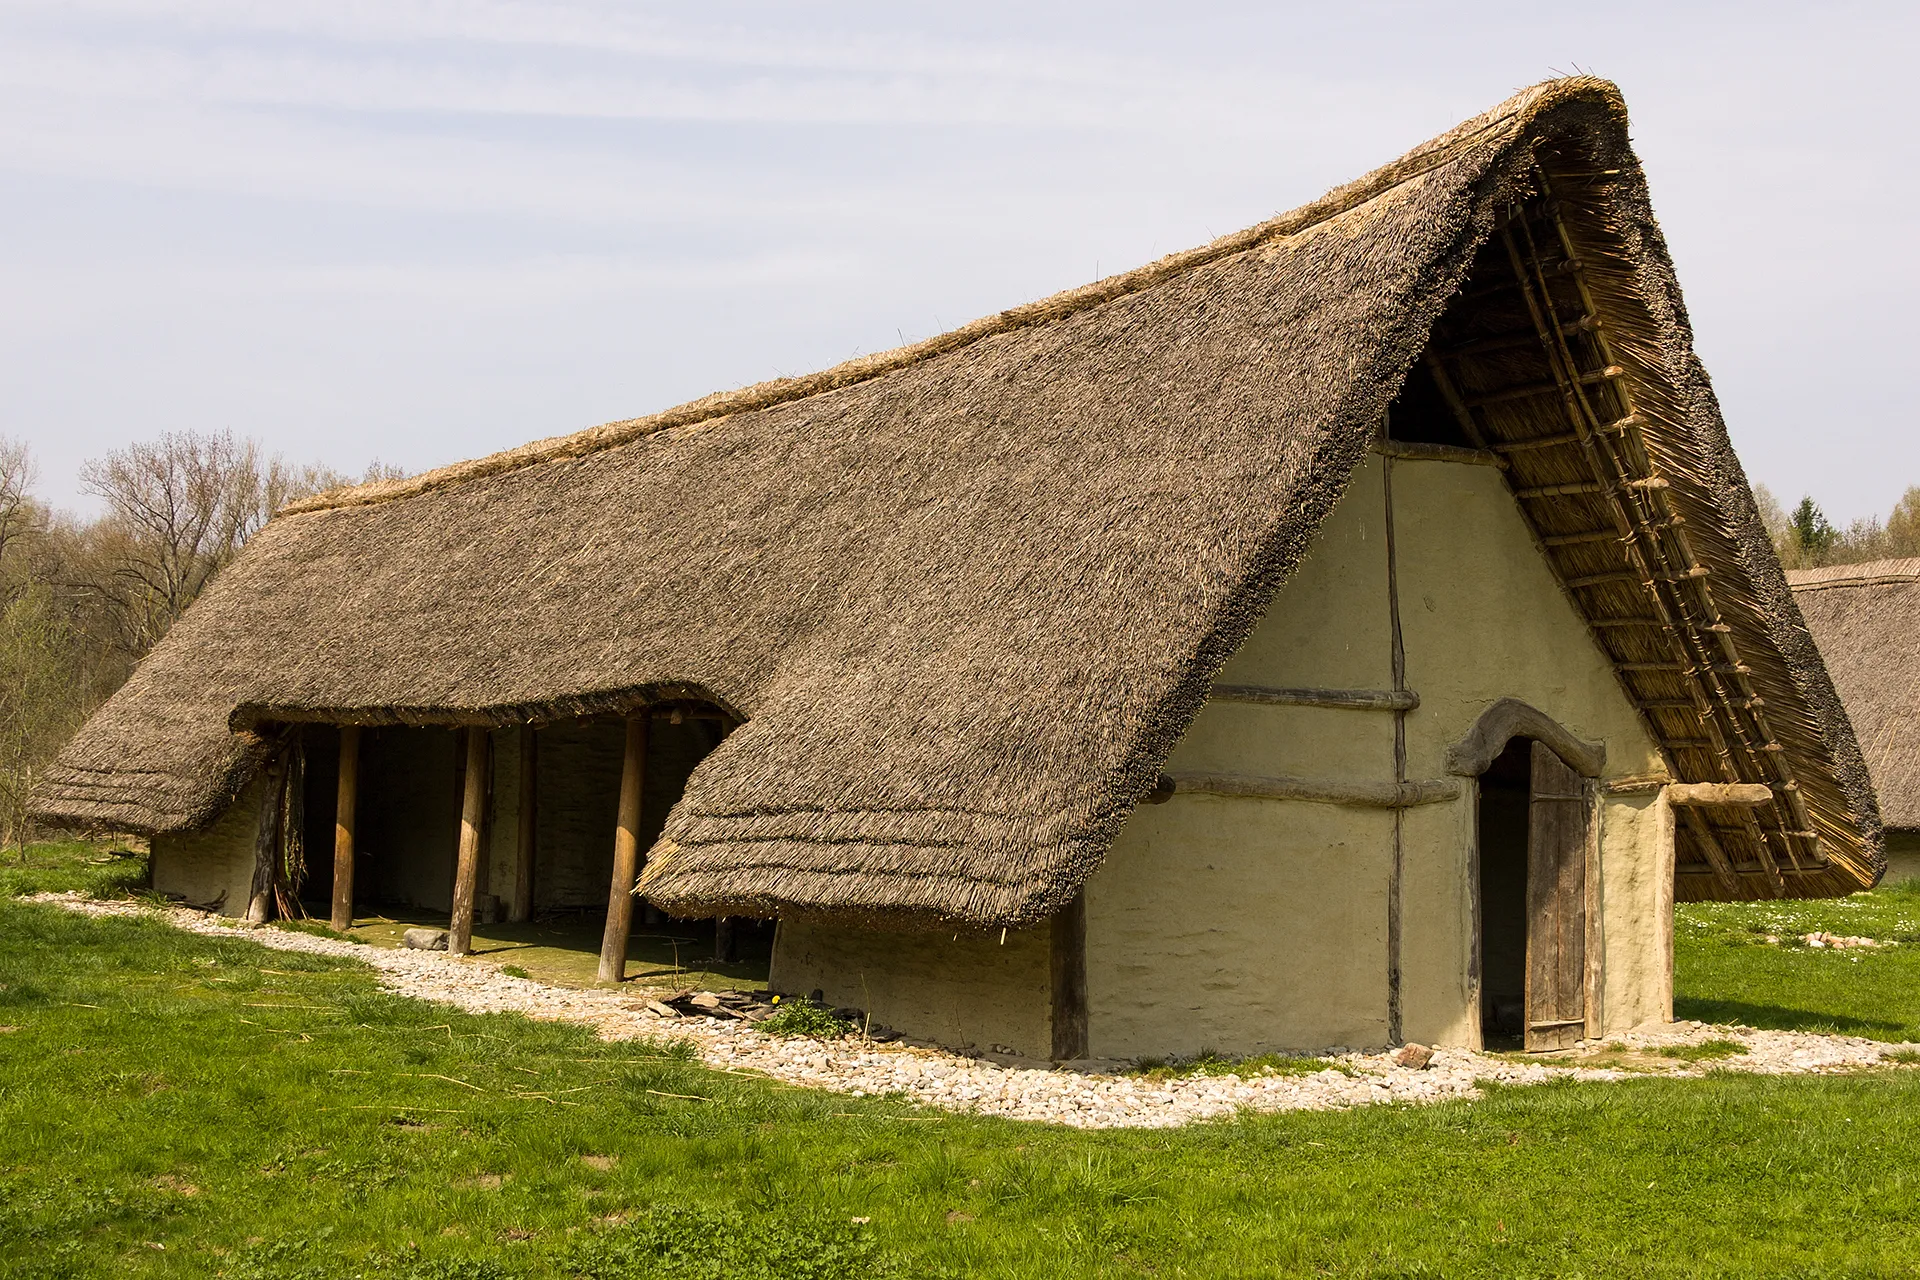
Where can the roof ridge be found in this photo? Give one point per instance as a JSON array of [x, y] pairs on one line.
[[1516, 110]]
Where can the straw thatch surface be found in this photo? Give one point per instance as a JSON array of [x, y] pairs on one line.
[[1866, 620], [967, 595]]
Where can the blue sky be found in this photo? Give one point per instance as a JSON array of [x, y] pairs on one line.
[[421, 230]]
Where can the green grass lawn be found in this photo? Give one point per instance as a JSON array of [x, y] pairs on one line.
[[172, 1104], [97, 868], [1725, 971]]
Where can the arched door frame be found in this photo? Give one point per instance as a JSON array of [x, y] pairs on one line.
[[1510, 718]]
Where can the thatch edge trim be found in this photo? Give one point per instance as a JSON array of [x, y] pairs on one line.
[[1516, 112], [1867, 573]]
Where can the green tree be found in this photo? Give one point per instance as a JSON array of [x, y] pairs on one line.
[[1903, 525], [1813, 534]]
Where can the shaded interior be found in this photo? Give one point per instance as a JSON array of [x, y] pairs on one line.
[[411, 783], [1505, 791]]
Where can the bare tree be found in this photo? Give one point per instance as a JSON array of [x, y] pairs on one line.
[[82, 601], [20, 516], [178, 511]]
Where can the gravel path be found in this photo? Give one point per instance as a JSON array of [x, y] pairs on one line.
[[935, 1077]]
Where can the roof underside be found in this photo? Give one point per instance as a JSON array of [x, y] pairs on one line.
[[1866, 620], [967, 596]]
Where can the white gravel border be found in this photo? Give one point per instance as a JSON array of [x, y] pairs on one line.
[[938, 1078]]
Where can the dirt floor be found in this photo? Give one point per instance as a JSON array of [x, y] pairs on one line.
[[565, 950]]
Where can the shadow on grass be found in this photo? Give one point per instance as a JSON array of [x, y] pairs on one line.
[[1773, 1017]]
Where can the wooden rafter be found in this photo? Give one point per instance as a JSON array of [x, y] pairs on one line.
[[1711, 628]]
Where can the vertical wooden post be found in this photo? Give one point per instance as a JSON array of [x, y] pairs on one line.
[[1067, 943], [1596, 976], [343, 827], [520, 909], [473, 816], [1663, 894], [292, 866], [626, 854], [266, 845]]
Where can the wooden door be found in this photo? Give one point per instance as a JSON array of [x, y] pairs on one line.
[[1557, 816]]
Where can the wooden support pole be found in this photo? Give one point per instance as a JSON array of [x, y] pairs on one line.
[[473, 817], [266, 844], [1716, 856], [520, 909], [626, 854], [1067, 945], [1461, 413], [346, 798]]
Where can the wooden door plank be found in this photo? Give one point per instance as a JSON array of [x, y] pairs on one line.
[[1556, 904]]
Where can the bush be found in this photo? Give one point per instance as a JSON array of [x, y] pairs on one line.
[[805, 1018]]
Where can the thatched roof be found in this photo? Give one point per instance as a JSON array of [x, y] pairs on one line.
[[967, 595], [1866, 620]]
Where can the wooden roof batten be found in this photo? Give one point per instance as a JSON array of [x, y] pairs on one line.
[[1660, 565]]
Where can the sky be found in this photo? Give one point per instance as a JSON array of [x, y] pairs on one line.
[[420, 230]]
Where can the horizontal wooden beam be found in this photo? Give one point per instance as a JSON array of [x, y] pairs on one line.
[[1744, 794], [1338, 699], [1560, 490], [1533, 390], [1578, 539], [1371, 795], [1627, 784], [1563, 438], [1751, 869], [1439, 453]]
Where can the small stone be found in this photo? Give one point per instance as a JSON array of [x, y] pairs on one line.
[[1415, 1057], [425, 939], [659, 1010], [705, 1000]]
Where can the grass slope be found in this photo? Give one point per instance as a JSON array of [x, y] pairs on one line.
[[178, 1105]]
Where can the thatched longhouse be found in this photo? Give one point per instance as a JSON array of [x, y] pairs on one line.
[[1866, 620], [1356, 629]]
